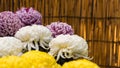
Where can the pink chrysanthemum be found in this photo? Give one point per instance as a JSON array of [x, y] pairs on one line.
[[58, 28], [9, 23], [29, 16]]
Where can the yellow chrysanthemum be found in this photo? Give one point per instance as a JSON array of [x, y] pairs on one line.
[[39, 59], [83, 63], [13, 62]]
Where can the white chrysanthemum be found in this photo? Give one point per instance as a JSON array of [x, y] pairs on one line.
[[38, 34], [10, 46], [68, 46]]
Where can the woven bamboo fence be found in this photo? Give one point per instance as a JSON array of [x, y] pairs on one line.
[[98, 21]]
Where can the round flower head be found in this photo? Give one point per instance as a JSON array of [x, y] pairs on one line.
[[83, 63], [9, 23], [68, 46], [13, 62], [10, 46], [29, 16], [39, 59], [35, 37], [58, 28]]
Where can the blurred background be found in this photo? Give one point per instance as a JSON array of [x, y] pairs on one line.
[[98, 21]]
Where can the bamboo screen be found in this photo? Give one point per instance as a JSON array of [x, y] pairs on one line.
[[98, 21]]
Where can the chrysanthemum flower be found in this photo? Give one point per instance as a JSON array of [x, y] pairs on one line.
[[35, 37], [83, 63], [9, 23], [10, 46], [58, 28], [68, 47], [13, 62], [29, 16], [40, 59]]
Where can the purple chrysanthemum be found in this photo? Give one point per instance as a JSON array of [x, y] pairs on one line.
[[9, 23], [58, 28], [29, 16]]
